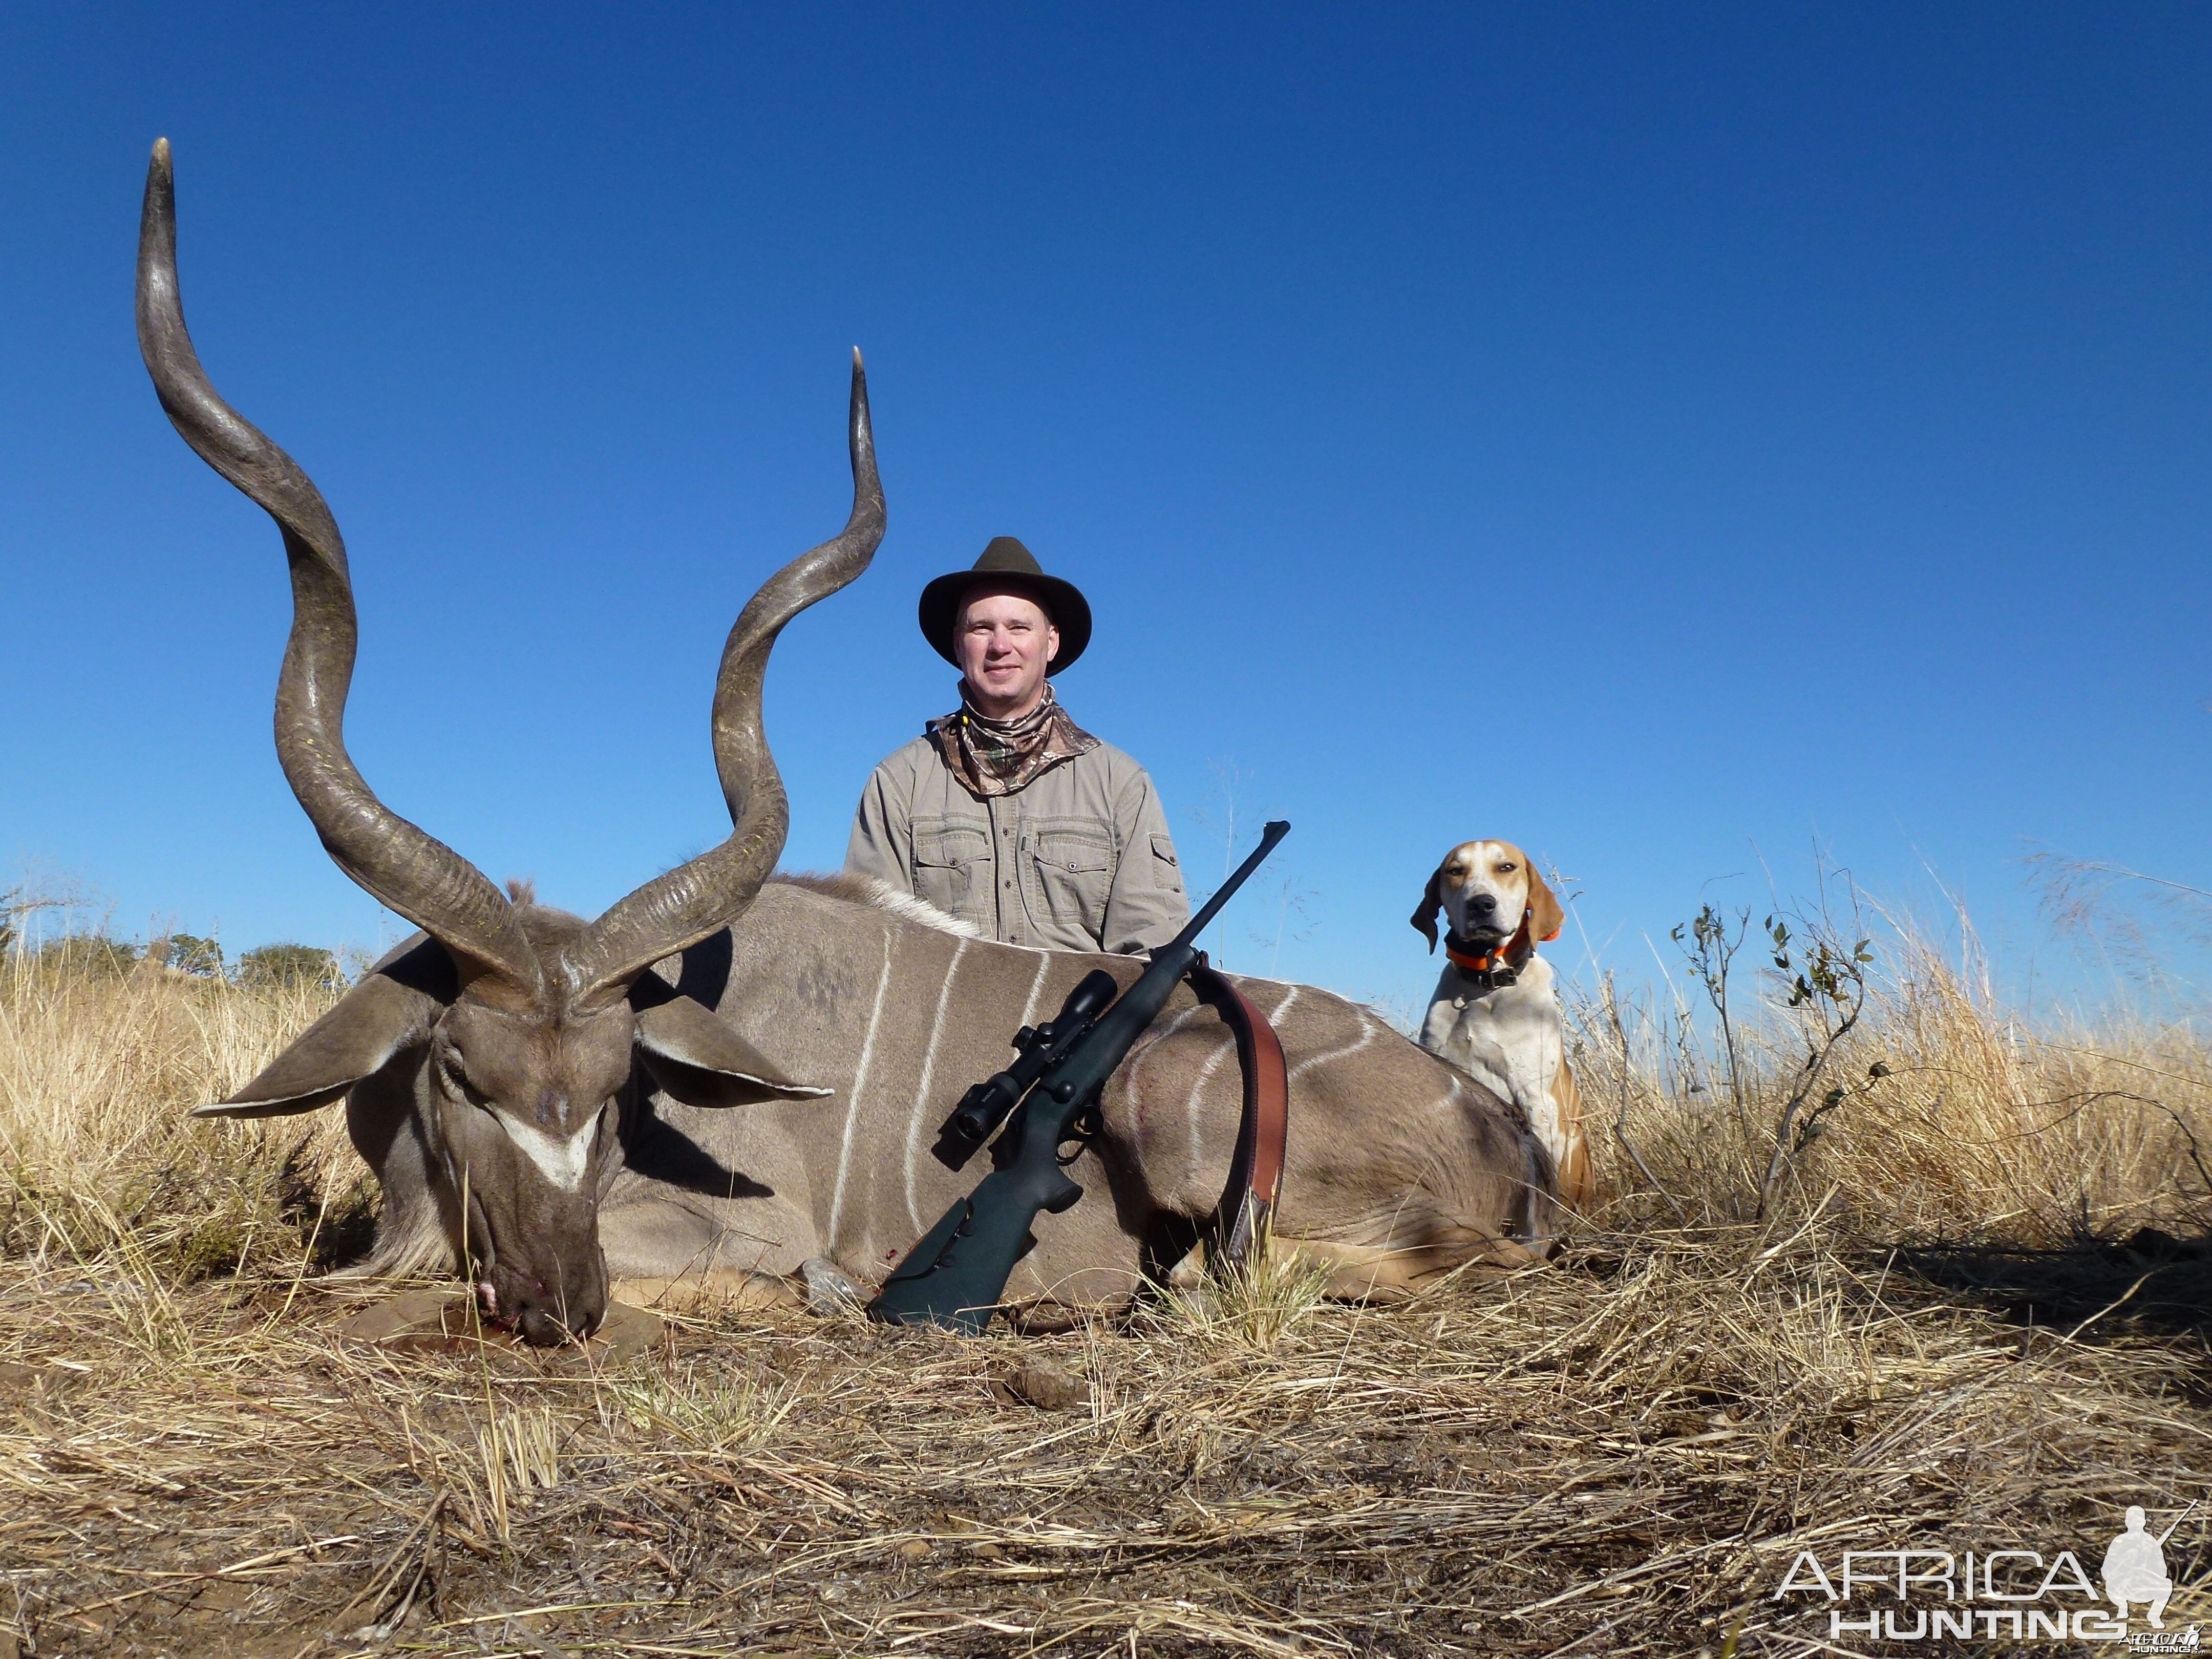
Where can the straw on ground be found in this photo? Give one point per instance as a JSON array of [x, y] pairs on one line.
[[1971, 1310]]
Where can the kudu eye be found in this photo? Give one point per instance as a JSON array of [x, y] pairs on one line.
[[456, 1077]]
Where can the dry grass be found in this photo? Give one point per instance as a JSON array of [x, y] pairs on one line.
[[99, 1068], [1949, 1328], [1956, 1124]]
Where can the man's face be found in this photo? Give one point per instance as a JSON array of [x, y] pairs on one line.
[[1003, 640]]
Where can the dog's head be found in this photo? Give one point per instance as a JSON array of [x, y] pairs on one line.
[[1484, 887]]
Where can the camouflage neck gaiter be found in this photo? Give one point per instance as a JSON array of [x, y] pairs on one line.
[[996, 758]]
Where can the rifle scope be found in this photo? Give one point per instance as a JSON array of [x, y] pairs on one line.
[[985, 1107]]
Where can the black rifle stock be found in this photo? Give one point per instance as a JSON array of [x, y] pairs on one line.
[[956, 1274]]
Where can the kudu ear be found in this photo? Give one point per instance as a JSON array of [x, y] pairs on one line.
[[1425, 913], [392, 1006], [703, 1062], [1545, 918]]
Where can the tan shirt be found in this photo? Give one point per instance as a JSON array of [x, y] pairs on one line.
[[1079, 859]]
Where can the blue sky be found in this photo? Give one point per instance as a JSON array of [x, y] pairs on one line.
[[1670, 438]]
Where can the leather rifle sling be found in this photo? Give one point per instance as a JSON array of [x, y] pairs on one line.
[[1255, 1172]]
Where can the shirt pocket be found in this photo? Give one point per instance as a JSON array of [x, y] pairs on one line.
[[1074, 862], [1165, 870], [951, 866]]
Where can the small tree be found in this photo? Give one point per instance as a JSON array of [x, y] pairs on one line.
[[188, 954], [1825, 982], [1709, 950], [290, 967], [1820, 985]]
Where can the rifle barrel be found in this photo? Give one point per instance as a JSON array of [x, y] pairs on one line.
[[2176, 1527], [1269, 836]]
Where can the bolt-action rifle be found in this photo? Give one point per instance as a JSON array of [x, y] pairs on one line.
[[956, 1275]]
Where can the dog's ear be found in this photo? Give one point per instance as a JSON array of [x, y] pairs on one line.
[[1424, 915], [1545, 918]]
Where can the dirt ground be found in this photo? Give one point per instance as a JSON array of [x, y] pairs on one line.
[[1621, 1454]]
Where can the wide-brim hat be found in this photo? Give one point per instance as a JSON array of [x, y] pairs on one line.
[[1006, 561]]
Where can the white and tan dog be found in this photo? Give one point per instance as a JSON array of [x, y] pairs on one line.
[[1496, 1011]]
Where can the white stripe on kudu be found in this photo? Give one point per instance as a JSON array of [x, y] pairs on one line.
[[853, 1096], [562, 1159], [1037, 985], [1366, 1036], [1227, 1044], [1159, 1035], [921, 1089]]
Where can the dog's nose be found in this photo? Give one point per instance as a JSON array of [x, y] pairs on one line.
[[1484, 904]]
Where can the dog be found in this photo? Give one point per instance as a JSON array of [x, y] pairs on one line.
[[1496, 1011]]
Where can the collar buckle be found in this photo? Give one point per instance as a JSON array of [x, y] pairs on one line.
[[1491, 966]]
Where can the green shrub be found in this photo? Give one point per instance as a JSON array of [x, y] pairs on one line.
[[290, 967], [188, 954]]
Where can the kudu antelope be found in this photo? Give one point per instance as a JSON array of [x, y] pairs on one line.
[[726, 1073]]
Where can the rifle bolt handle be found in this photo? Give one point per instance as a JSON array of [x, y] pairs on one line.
[[1063, 1091]]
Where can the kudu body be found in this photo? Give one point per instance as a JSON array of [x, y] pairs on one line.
[[543, 1099]]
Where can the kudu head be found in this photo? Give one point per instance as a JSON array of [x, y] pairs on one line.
[[522, 1024]]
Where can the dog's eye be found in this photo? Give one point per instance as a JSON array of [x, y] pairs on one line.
[[1506, 869]]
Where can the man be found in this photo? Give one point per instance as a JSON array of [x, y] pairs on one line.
[[1005, 813], [2135, 1570]]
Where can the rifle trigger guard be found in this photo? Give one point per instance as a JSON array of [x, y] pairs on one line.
[[1081, 1135]]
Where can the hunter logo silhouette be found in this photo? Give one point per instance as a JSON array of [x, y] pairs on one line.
[[2134, 1567]]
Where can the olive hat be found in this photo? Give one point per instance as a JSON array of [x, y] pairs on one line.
[[1006, 561]]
